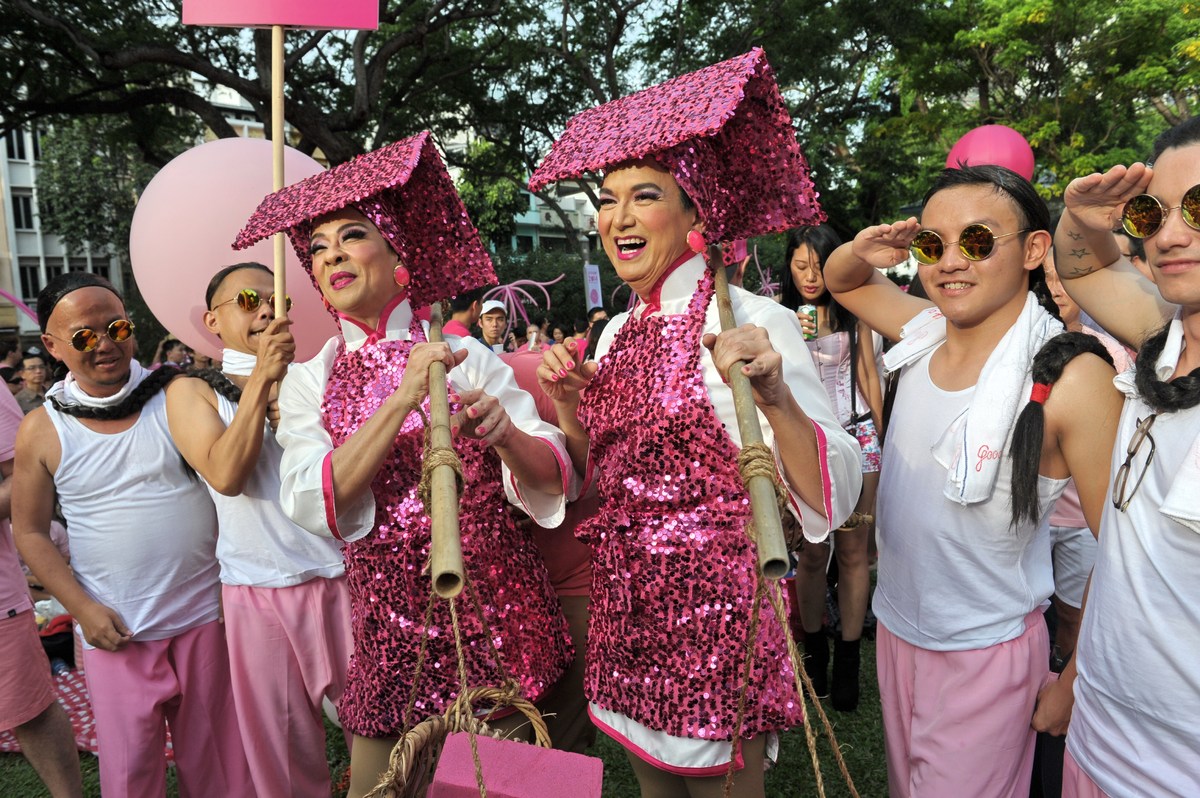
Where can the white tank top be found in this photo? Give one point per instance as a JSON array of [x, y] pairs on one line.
[[1135, 729], [258, 545], [951, 577], [143, 531]]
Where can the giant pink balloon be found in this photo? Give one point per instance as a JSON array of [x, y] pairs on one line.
[[184, 227], [997, 145]]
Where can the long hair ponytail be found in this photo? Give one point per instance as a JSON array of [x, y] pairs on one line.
[[1026, 449]]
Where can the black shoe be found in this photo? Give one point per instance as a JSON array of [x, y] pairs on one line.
[[816, 661], [845, 674]]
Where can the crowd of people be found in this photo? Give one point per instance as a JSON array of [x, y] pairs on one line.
[[249, 542]]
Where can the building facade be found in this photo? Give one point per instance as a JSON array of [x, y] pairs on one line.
[[30, 257]]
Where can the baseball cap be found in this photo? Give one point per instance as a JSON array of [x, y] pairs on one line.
[[491, 305]]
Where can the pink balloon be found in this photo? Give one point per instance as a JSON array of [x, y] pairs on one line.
[[184, 227], [997, 145]]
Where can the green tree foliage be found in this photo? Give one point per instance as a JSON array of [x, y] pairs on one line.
[[490, 187], [347, 91], [91, 174], [879, 89], [89, 179]]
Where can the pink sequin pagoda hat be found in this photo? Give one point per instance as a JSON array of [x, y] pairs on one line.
[[406, 192], [722, 131]]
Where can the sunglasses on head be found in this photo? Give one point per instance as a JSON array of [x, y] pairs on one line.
[[249, 300], [87, 339], [975, 242], [1145, 214]]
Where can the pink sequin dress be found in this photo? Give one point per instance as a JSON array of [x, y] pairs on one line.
[[389, 593], [673, 569]]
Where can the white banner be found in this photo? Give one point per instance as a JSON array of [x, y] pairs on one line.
[[591, 278]]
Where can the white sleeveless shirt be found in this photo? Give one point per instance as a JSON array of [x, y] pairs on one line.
[[1135, 729], [143, 531], [952, 577], [258, 545]]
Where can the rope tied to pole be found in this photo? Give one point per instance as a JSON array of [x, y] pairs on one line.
[[757, 460], [431, 460]]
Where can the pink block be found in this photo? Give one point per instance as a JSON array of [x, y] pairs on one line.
[[514, 770], [321, 14]]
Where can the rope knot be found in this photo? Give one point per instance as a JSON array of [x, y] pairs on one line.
[[436, 456]]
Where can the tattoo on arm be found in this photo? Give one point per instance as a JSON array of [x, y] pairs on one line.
[[1079, 271], [1080, 254], [1075, 235]]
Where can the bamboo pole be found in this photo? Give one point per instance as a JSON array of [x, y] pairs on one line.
[[445, 550], [277, 161], [772, 550]]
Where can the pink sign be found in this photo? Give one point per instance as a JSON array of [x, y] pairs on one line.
[[344, 14]]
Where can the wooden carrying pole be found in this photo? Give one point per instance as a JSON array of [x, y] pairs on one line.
[[277, 161], [445, 550], [772, 551]]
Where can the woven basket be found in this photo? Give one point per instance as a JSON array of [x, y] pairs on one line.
[[415, 756]]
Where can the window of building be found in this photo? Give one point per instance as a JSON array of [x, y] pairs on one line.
[[524, 243], [14, 144], [31, 279], [77, 265], [100, 267], [22, 210], [54, 267], [37, 144]]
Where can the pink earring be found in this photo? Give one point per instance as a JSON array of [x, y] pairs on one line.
[[401, 276], [695, 241]]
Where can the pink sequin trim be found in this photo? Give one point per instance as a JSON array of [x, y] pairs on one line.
[[672, 581], [386, 568]]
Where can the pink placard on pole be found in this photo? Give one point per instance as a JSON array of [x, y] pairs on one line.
[[322, 14]]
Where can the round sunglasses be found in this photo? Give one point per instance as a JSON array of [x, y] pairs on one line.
[[87, 339], [250, 300], [975, 242], [1144, 215]]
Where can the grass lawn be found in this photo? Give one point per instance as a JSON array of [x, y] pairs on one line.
[[860, 735]]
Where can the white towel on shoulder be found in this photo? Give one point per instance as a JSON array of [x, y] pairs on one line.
[[974, 445], [1182, 502], [68, 391]]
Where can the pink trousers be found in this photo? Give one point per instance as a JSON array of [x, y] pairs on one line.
[[182, 681], [1076, 783], [288, 648], [956, 723]]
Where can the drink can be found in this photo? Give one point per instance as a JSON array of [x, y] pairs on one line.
[[811, 312]]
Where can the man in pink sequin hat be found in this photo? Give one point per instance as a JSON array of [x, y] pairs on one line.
[[707, 157], [379, 235]]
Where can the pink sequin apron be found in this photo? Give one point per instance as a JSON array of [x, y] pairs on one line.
[[673, 570], [387, 590]]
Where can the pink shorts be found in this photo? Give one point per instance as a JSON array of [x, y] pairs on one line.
[[956, 723], [26, 688], [1076, 783]]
